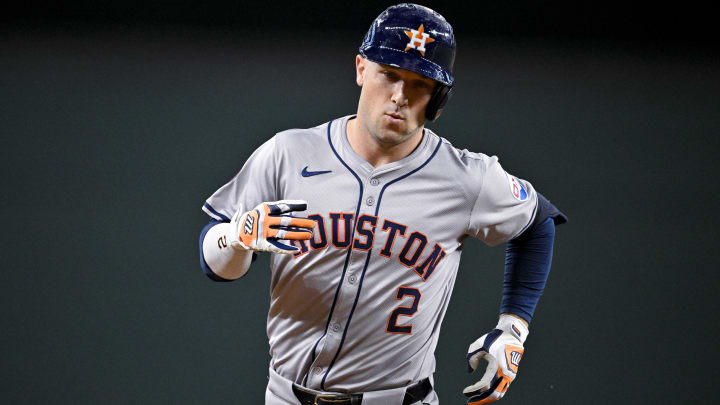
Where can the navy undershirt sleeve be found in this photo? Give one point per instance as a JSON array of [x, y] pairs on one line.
[[527, 266]]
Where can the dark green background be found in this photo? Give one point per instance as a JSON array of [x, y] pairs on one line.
[[118, 122]]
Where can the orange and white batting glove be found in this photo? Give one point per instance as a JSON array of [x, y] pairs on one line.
[[502, 349], [262, 228]]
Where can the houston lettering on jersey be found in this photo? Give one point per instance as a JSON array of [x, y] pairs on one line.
[[415, 253]]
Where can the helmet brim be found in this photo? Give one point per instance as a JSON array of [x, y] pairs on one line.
[[404, 60]]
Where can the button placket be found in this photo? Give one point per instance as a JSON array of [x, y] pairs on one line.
[[346, 296]]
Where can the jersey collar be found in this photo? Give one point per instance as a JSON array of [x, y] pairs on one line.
[[360, 165]]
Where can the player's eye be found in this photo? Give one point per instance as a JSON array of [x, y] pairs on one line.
[[389, 75], [422, 85]]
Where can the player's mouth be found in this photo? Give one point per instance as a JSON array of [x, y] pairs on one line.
[[395, 117]]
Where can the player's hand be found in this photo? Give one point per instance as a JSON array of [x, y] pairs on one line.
[[502, 349], [264, 226]]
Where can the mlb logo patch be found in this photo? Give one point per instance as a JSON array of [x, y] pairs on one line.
[[517, 190]]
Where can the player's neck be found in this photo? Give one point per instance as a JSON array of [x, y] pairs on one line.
[[377, 153]]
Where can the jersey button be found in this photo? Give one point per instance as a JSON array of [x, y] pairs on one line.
[[370, 201], [336, 327], [374, 182], [352, 279], [317, 370]]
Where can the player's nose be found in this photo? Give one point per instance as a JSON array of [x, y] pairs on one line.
[[398, 95]]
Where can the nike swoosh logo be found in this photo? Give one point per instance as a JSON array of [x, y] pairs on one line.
[[306, 173]]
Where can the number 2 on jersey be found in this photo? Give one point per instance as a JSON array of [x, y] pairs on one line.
[[392, 326]]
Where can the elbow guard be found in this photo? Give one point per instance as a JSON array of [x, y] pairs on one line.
[[219, 261]]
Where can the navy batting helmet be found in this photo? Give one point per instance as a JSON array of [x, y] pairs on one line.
[[416, 38]]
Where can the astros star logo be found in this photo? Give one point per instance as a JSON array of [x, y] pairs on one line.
[[418, 39]]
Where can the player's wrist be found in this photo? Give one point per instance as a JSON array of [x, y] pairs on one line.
[[514, 325], [233, 232]]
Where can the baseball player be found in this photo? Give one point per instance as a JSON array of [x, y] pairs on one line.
[[365, 218]]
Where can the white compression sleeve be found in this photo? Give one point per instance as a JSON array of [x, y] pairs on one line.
[[225, 261]]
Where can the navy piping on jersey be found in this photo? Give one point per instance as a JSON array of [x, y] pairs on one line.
[[347, 257], [221, 216], [377, 209], [367, 259]]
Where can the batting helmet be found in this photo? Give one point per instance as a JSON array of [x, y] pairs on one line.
[[416, 38]]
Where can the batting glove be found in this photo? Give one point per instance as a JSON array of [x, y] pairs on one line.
[[261, 228], [502, 349]]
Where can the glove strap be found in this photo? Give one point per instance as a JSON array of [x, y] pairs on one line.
[[513, 326]]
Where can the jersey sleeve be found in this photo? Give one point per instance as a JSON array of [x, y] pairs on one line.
[[505, 206], [255, 183]]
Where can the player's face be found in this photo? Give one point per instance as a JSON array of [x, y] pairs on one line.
[[392, 101]]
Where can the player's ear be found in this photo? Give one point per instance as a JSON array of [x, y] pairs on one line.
[[360, 66]]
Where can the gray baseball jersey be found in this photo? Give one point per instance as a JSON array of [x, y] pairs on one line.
[[359, 308]]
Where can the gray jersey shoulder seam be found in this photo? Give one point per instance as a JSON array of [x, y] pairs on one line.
[[460, 153]]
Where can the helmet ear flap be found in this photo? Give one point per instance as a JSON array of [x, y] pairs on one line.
[[439, 98]]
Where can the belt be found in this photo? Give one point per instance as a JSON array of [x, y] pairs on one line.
[[414, 393]]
